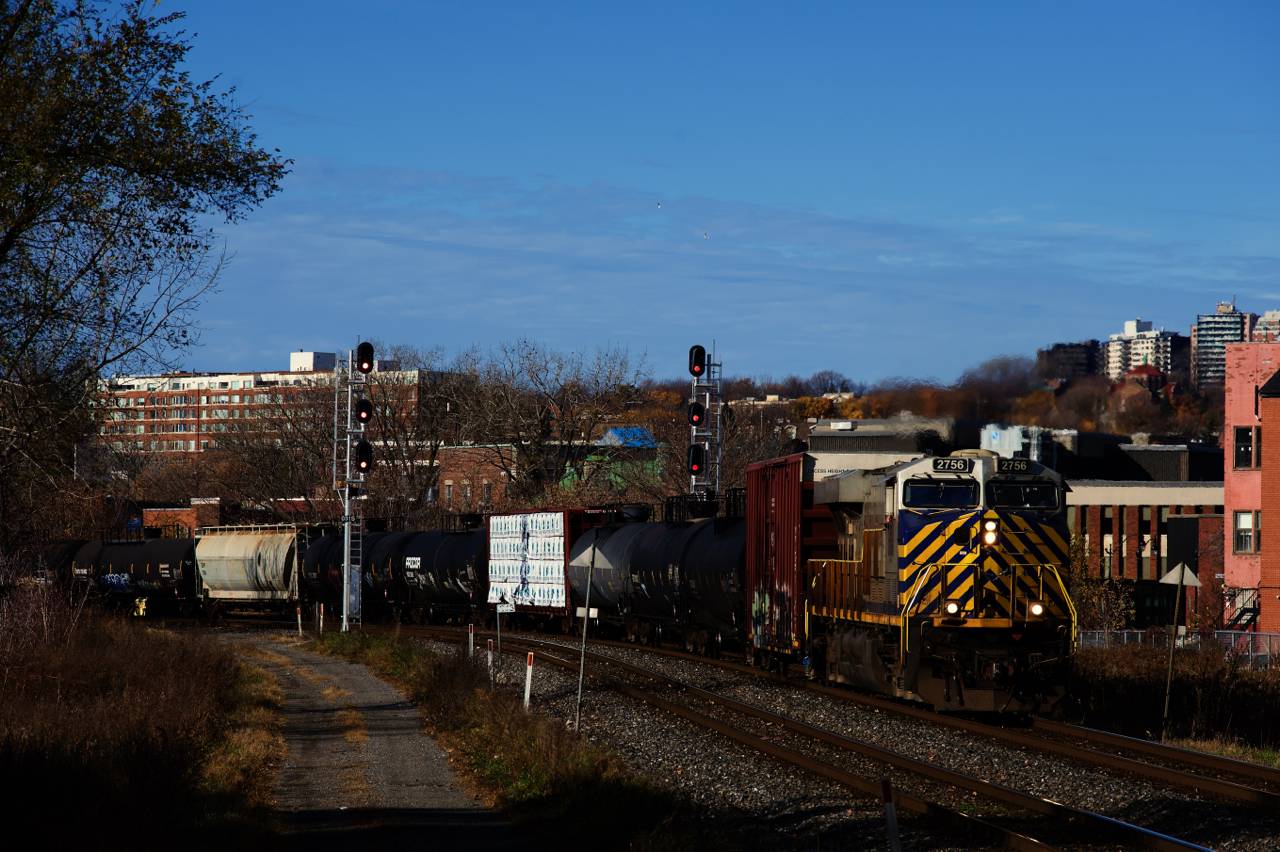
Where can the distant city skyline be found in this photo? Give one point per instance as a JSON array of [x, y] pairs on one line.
[[897, 191]]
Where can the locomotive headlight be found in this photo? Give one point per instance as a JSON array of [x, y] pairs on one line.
[[990, 532], [1037, 608], [952, 607]]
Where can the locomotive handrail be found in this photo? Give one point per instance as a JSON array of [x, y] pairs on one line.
[[914, 598], [1075, 620]]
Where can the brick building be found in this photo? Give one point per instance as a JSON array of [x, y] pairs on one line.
[[1248, 367], [189, 412], [474, 478], [1268, 532], [1125, 531]]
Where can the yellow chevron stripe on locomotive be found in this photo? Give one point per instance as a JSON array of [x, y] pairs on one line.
[[950, 562]]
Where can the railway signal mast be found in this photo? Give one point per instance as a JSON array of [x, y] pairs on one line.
[[356, 461], [705, 406]]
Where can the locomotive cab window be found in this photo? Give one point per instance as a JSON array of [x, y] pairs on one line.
[[1040, 496], [940, 494]]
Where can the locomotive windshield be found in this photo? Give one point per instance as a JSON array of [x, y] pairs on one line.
[[940, 494], [1042, 496]]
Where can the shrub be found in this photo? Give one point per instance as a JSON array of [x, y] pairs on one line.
[[1122, 689]]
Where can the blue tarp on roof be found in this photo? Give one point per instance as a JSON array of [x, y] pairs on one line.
[[629, 436]]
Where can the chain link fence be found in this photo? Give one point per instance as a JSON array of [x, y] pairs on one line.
[[1256, 650]]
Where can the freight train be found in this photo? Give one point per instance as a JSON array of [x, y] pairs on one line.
[[937, 580]]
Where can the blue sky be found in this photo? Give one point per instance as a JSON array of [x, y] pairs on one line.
[[879, 189]]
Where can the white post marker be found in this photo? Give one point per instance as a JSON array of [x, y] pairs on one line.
[[471, 641], [1180, 576], [528, 681], [890, 815], [321, 618], [299, 620], [491, 662]]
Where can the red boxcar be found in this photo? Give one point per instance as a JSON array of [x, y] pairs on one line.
[[784, 530]]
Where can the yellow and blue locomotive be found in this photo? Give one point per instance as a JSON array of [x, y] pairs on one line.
[[938, 580]]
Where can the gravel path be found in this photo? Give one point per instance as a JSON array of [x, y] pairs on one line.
[[360, 773]]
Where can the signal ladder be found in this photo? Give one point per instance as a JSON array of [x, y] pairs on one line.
[[348, 394]]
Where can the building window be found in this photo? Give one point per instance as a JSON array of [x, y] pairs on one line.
[[1244, 532], [448, 495], [1244, 447]]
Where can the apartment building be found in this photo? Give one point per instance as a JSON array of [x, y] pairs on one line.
[[187, 412], [1209, 339], [1141, 344]]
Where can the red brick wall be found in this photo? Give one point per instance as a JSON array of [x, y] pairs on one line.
[[1269, 585], [1094, 514], [1205, 604], [199, 515], [1132, 542]]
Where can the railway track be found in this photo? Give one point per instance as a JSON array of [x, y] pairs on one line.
[[1232, 779], [1038, 814]]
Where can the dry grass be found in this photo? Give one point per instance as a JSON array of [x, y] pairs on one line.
[[247, 650], [334, 693], [351, 723], [158, 738], [353, 783], [242, 766], [1233, 749], [560, 789], [283, 661]]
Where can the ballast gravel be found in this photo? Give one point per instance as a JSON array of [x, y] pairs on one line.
[[767, 805]]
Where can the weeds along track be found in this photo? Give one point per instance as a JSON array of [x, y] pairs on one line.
[[1005, 815]]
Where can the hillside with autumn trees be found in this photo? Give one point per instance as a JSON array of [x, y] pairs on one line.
[[1006, 389]]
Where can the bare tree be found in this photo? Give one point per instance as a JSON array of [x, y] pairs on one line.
[[416, 413], [546, 405]]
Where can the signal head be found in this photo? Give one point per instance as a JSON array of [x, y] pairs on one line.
[[698, 361], [696, 460], [364, 411], [363, 456], [697, 414], [364, 357]]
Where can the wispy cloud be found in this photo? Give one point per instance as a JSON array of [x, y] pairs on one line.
[[433, 257]]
